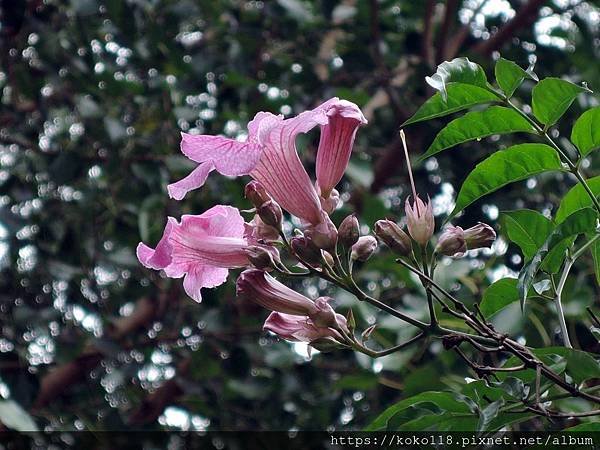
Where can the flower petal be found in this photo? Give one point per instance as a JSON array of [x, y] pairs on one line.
[[335, 145], [280, 170], [203, 277], [161, 256], [230, 157], [193, 181]]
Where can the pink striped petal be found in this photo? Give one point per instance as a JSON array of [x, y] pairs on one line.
[[230, 157], [161, 256], [203, 277], [202, 248], [335, 145], [194, 180], [280, 170]]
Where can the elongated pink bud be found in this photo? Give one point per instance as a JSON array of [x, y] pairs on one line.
[[364, 248], [349, 231], [256, 193], [261, 288], [271, 214], [480, 236], [452, 242], [302, 329], [393, 236]]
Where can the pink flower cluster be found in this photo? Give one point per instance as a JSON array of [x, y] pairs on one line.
[[202, 248]]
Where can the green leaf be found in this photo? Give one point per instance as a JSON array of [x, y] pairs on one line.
[[506, 166], [586, 131], [509, 76], [445, 401], [460, 96], [577, 198], [526, 228], [582, 366], [499, 295], [459, 70], [15, 417], [551, 97], [488, 414], [581, 221], [477, 125]]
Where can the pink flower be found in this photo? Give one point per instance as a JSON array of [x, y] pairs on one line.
[[202, 248], [269, 155], [261, 288], [419, 220], [335, 146], [299, 328]]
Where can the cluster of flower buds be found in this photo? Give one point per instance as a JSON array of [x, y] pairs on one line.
[[267, 209], [455, 241], [361, 247]]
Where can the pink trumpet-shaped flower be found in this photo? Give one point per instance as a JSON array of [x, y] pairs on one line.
[[202, 248], [299, 328], [261, 288], [335, 145], [269, 155]]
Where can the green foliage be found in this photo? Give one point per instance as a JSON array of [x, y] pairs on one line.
[[526, 228], [459, 70], [15, 417], [586, 131], [516, 163], [460, 96], [551, 97], [94, 96], [499, 295], [577, 198], [580, 222], [510, 75], [477, 125]]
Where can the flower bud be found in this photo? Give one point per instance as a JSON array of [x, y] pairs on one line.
[[257, 230], [270, 213], [256, 193], [419, 220], [479, 236], [324, 235], [364, 248], [262, 257], [328, 258], [349, 231], [393, 236], [452, 242], [306, 250], [330, 203]]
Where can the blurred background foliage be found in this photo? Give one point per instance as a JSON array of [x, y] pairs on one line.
[[94, 94]]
